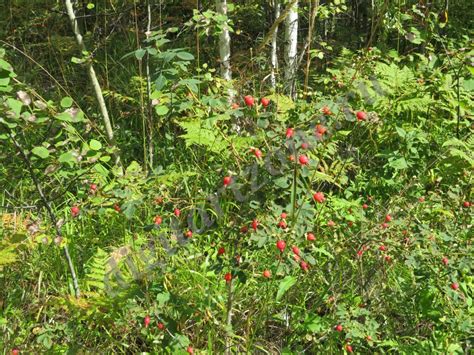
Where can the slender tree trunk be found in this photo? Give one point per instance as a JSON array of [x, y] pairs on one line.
[[274, 55], [93, 77], [151, 149], [275, 25], [291, 52], [314, 5], [224, 47]]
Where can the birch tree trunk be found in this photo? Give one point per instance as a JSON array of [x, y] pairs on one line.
[[93, 77], [291, 50], [224, 46], [151, 149], [274, 56]]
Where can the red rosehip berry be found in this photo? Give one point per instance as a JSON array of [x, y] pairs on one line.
[[320, 129], [117, 208], [388, 218], [359, 253], [282, 224], [228, 277], [15, 352], [281, 245], [365, 206], [221, 251], [466, 204], [361, 116], [158, 220], [349, 348], [177, 212], [188, 234], [326, 111], [421, 199], [304, 145], [249, 100], [319, 197], [454, 286], [303, 159], [445, 261], [146, 321], [295, 250], [226, 181], [244, 229], [289, 133], [338, 328], [310, 237], [267, 274], [190, 350], [255, 224], [388, 258], [93, 187], [304, 266], [283, 215], [258, 153], [384, 225], [75, 211], [264, 101], [161, 326], [382, 248]]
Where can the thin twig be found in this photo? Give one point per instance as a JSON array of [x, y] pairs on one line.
[[51, 214]]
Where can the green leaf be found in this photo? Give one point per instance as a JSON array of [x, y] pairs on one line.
[[15, 106], [399, 164], [90, 6], [324, 252], [282, 182], [5, 65], [401, 132], [67, 157], [161, 110], [42, 152], [66, 102], [139, 53], [185, 56], [285, 285], [160, 82], [95, 145]]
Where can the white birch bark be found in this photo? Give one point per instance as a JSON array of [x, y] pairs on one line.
[[90, 70], [291, 51], [224, 46], [274, 55], [151, 149]]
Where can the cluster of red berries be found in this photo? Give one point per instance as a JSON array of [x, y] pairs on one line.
[[250, 102]]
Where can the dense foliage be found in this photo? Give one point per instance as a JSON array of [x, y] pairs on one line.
[[233, 216]]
